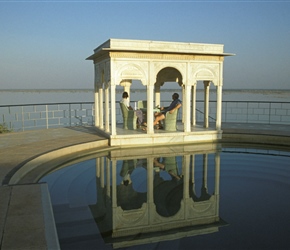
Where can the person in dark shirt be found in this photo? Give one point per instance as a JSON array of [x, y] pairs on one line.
[[175, 104]]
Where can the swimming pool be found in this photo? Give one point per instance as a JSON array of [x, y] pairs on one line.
[[202, 196]]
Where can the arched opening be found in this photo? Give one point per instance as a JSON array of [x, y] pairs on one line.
[[167, 78], [169, 74]]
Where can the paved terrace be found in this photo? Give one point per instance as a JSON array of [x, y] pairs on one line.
[[26, 218]]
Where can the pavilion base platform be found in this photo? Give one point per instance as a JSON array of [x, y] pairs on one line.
[[139, 137]]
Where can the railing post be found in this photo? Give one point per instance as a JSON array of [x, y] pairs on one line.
[[93, 119], [22, 116], [226, 111], [69, 112], [46, 116], [247, 111], [81, 117], [270, 106]]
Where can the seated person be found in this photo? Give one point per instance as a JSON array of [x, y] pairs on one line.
[[175, 104], [138, 112]]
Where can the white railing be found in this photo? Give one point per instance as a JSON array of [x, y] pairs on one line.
[[257, 112], [39, 116]]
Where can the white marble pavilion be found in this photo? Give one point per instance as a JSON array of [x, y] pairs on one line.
[[119, 61]]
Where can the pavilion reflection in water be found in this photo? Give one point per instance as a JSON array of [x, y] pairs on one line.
[[152, 194]]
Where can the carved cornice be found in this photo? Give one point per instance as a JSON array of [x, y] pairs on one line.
[[164, 56]]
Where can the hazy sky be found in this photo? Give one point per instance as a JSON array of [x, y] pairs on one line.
[[44, 44]]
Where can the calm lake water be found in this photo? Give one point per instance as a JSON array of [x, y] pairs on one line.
[[197, 197], [12, 97]]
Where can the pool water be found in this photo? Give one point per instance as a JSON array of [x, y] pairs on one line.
[[209, 196]]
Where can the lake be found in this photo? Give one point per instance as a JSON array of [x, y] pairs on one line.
[[37, 96]]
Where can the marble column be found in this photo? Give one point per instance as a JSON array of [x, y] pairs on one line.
[[193, 105], [206, 103], [127, 86], [186, 108], [113, 110], [150, 117], [101, 109], [107, 109], [97, 121], [157, 94], [219, 107]]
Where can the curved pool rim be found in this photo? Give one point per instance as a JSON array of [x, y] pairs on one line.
[[200, 148], [41, 164]]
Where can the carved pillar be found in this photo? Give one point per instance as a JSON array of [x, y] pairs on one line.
[[101, 109], [127, 86], [183, 98], [206, 103], [219, 107], [219, 100], [157, 93], [113, 109], [150, 117], [97, 121], [186, 108], [96, 94], [107, 109], [193, 105]]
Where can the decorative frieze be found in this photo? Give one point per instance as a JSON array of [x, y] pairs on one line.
[[165, 56]]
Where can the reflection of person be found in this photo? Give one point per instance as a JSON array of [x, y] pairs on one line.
[[175, 104], [168, 190], [168, 164], [157, 163], [127, 196], [127, 169], [138, 112]]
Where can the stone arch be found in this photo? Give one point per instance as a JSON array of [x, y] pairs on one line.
[[166, 74], [130, 71], [169, 74], [205, 74]]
